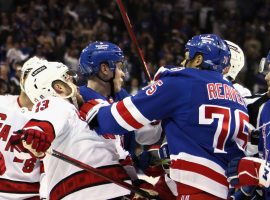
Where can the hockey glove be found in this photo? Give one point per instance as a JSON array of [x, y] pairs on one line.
[[245, 193], [248, 171], [35, 142], [89, 110], [150, 163], [2, 164]]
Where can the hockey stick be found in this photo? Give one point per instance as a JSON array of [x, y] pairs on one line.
[[132, 36], [95, 171]]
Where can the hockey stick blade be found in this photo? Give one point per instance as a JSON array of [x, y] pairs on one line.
[[95, 171]]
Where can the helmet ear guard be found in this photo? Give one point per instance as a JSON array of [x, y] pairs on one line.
[[215, 52]]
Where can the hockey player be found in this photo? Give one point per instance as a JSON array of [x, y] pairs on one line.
[[55, 122], [253, 101], [250, 170], [205, 119], [103, 64], [22, 177]]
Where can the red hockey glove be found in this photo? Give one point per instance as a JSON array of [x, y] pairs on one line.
[[32, 141], [248, 171], [2, 164], [89, 110]]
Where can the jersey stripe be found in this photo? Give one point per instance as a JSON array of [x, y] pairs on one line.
[[127, 115], [119, 119], [18, 187], [84, 179], [193, 170]]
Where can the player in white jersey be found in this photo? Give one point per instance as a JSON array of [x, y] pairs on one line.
[[56, 122], [22, 177]]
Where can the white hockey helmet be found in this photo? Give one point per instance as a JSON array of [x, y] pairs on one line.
[[30, 64], [39, 83], [237, 60]]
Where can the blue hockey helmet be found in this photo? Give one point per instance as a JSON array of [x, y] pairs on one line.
[[215, 51], [99, 52]]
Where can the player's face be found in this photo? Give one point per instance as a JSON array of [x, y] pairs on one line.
[[119, 76]]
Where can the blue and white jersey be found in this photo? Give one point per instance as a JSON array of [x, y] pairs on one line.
[[264, 145], [204, 117]]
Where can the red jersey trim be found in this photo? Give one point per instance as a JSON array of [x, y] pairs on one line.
[[18, 187], [126, 115], [200, 169], [84, 179]]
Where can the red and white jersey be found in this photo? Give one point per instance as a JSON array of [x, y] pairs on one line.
[[21, 179], [74, 138]]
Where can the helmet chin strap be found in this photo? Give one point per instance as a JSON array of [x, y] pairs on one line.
[[72, 95]]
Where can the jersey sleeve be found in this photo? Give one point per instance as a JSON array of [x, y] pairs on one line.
[[155, 102]]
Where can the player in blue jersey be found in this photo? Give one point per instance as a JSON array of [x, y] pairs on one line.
[[205, 119], [103, 65]]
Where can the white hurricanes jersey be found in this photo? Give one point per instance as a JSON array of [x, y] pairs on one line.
[[22, 176], [74, 138]]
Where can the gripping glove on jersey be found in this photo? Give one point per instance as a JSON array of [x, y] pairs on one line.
[[33, 141], [89, 110], [248, 171], [2, 164]]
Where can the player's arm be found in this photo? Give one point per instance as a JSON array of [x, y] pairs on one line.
[[49, 117], [155, 102]]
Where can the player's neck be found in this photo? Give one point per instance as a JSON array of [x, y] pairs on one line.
[[24, 101], [100, 86]]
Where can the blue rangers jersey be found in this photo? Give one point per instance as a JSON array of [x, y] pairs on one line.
[[264, 145], [204, 117]]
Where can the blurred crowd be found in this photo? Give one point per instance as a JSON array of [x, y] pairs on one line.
[[59, 29]]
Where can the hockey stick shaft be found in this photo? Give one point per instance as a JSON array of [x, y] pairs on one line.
[[95, 171], [133, 37]]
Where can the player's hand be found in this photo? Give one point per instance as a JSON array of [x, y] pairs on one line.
[[89, 110], [2, 164], [248, 171], [150, 163], [144, 185], [35, 142]]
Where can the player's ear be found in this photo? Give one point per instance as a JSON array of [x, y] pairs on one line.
[[198, 60], [104, 68], [58, 87]]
